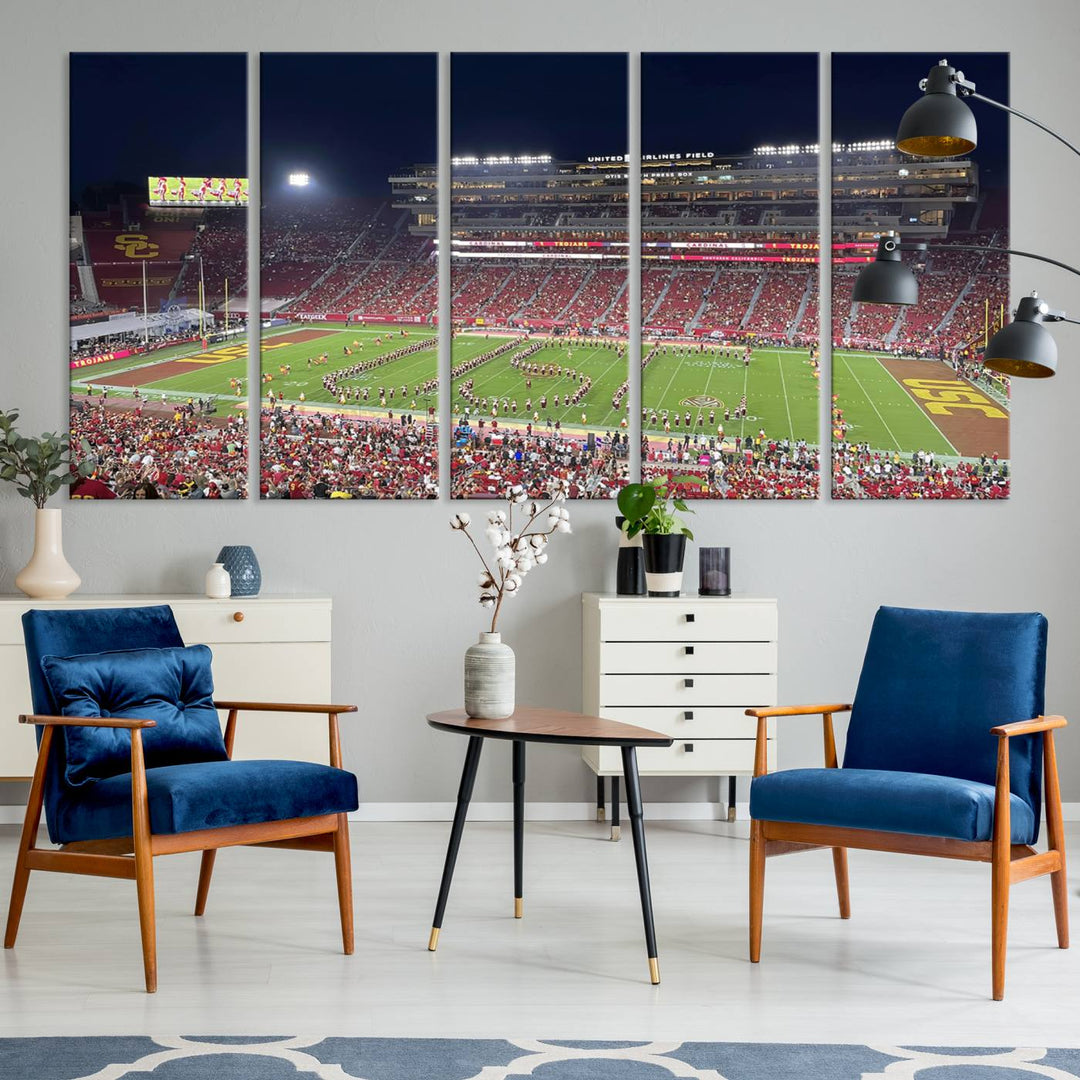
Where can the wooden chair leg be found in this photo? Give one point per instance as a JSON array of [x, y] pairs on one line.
[[1055, 830], [206, 871], [1000, 871], [28, 840], [144, 862], [757, 888], [343, 868], [839, 858]]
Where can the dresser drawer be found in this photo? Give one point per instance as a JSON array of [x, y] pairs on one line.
[[709, 757], [691, 723], [686, 691], [211, 621], [689, 657], [688, 620]]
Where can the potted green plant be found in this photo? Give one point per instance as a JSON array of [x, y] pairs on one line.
[[39, 466], [652, 510]]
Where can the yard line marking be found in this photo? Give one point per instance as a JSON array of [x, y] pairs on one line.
[[783, 390], [746, 392], [903, 391], [873, 406]]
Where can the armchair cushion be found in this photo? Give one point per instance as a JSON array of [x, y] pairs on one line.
[[173, 686], [207, 795], [884, 800]]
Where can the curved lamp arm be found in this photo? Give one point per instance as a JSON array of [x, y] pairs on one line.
[[1016, 112], [902, 246]]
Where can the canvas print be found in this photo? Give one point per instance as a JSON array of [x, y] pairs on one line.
[[729, 273], [158, 258], [914, 413], [540, 375], [349, 278]]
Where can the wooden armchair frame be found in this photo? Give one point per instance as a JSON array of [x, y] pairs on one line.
[[132, 857], [1009, 862]]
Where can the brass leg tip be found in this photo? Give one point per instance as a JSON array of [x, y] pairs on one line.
[[519, 907], [433, 940], [600, 813], [654, 971], [616, 832]]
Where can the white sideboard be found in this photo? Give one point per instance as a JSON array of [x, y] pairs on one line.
[[266, 648], [687, 666]]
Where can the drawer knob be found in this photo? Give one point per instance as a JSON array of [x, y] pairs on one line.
[[689, 650], [688, 715], [689, 616], [688, 747], [688, 683], [238, 616]]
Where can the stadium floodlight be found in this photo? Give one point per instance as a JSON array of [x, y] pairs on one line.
[[941, 125], [1023, 349], [299, 179]]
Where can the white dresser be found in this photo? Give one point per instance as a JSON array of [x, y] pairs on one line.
[[266, 648], [687, 666]]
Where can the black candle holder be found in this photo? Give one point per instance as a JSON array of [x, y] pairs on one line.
[[714, 571]]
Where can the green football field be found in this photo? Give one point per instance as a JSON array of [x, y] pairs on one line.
[[879, 411], [496, 379], [779, 384]]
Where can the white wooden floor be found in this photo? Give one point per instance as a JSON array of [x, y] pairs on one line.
[[911, 966]]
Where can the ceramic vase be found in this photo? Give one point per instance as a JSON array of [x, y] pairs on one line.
[[243, 569], [664, 555], [48, 575], [630, 569], [218, 582], [489, 678]]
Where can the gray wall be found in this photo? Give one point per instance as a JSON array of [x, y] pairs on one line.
[[402, 584]]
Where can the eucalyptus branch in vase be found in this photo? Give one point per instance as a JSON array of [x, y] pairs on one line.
[[514, 552]]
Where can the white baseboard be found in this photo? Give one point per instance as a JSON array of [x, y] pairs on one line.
[[12, 814]]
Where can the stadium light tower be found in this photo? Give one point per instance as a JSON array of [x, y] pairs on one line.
[[299, 179], [940, 124], [1023, 349]]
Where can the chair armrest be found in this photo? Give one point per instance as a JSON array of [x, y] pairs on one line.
[[87, 721], [280, 706], [1029, 727], [797, 710]]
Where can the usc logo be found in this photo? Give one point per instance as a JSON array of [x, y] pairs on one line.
[[136, 246]]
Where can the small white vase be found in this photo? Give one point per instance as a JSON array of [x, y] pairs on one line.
[[489, 679], [218, 582], [48, 575]]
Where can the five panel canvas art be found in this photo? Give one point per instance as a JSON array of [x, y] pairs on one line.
[[727, 310]]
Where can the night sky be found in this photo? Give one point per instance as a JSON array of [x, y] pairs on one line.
[[135, 115], [569, 105], [349, 120], [727, 102], [871, 91]]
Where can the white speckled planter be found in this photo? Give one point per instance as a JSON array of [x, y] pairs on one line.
[[489, 678]]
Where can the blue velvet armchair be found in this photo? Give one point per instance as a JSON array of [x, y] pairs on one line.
[[947, 752], [132, 763]]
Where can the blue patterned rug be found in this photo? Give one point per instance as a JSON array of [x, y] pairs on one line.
[[287, 1058]]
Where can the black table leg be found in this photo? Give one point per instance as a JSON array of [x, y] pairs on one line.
[[637, 827], [731, 798], [519, 825], [600, 798], [468, 778], [615, 800]]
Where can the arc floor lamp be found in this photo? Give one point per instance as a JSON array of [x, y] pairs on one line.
[[940, 124]]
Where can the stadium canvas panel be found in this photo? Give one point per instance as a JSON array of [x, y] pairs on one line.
[[729, 273], [349, 277], [915, 415], [154, 344], [539, 378]]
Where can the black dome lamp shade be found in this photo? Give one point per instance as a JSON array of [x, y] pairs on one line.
[[886, 280], [939, 124], [1025, 348]]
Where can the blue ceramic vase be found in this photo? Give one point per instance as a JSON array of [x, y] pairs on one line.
[[239, 560]]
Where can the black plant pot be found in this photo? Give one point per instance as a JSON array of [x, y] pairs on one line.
[[664, 555]]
